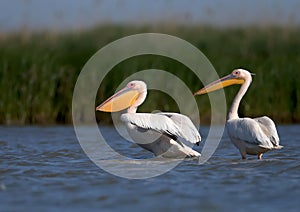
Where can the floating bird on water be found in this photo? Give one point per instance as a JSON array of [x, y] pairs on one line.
[[251, 136], [156, 132]]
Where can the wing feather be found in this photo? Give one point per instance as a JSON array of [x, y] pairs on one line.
[[247, 130], [168, 123], [269, 128], [188, 131]]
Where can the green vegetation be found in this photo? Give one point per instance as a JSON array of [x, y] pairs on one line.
[[38, 70]]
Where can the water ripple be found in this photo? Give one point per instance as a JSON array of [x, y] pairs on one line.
[[49, 169]]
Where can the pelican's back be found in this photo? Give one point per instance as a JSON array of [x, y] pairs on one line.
[[254, 132], [269, 129]]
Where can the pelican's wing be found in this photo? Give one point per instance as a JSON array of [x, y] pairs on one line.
[[188, 131], [250, 131], [268, 127], [158, 122]]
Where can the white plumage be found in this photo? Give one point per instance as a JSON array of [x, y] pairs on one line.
[[251, 136], [165, 134], [168, 123]]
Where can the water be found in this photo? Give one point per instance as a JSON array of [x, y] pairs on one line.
[[44, 168]]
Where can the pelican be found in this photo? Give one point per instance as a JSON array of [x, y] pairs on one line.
[[158, 133], [251, 136]]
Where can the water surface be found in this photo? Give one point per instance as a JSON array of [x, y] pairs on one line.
[[44, 168]]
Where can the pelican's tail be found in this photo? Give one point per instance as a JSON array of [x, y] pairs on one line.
[[278, 147], [192, 153], [180, 151]]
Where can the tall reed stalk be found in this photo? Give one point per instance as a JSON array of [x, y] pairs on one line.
[[38, 70]]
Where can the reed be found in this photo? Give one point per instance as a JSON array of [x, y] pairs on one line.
[[39, 70]]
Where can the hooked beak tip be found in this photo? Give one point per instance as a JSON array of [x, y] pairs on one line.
[[196, 93], [200, 92], [98, 108]]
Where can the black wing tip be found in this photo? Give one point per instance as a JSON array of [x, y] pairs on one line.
[[171, 135]]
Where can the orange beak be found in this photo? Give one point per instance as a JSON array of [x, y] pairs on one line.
[[119, 101], [220, 83]]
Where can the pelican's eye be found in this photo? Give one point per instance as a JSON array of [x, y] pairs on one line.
[[131, 85], [236, 73]]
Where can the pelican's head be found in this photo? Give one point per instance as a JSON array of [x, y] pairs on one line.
[[237, 76], [139, 86], [132, 95]]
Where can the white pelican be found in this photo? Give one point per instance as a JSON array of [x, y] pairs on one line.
[[251, 136], [157, 132]]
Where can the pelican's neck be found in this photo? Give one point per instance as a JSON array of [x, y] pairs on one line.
[[138, 102], [132, 109], [233, 112]]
